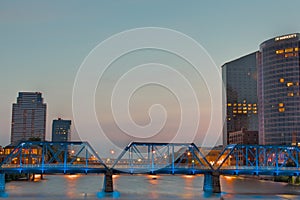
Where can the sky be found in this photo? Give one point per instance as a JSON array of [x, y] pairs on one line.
[[44, 43]]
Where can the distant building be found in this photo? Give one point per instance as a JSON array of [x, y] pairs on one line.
[[61, 130], [240, 79], [243, 137], [28, 118], [279, 91], [1, 154]]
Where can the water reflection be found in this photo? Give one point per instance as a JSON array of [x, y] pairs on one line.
[[148, 187]]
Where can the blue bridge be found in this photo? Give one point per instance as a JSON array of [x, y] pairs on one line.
[[150, 158]]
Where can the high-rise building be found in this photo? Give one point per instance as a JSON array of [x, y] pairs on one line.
[[243, 137], [61, 130], [278, 90], [28, 118], [240, 79]]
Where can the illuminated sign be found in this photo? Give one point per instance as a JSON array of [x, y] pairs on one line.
[[285, 37]]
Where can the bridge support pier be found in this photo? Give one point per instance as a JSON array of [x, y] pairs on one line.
[[108, 186], [212, 182], [108, 181], [2, 185]]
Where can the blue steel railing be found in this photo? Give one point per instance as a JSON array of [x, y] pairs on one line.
[[164, 158]]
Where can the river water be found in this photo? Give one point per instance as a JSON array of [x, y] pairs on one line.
[[148, 187]]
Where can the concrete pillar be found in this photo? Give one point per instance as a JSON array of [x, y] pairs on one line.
[[212, 182], [108, 181]]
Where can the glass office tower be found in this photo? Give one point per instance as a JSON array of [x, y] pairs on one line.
[[278, 90], [240, 79], [28, 118], [61, 130]]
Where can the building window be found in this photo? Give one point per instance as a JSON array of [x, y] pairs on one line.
[[288, 50], [280, 51], [290, 94], [280, 104], [281, 109], [289, 55], [289, 84], [281, 80]]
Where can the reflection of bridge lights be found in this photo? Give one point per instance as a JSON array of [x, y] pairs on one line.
[[72, 152], [193, 161], [229, 177], [153, 151], [72, 176], [154, 177], [77, 159], [139, 160], [188, 176], [189, 153]]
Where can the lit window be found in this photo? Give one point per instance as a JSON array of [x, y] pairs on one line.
[[287, 50], [281, 109], [290, 94], [280, 104], [245, 111], [289, 84], [229, 104], [244, 108], [254, 111], [234, 104], [254, 104], [249, 105], [249, 108], [239, 104], [296, 49], [234, 111], [288, 55], [280, 51], [281, 80], [239, 111], [244, 104]]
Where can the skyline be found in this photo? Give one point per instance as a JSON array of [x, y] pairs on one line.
[[45, 43]]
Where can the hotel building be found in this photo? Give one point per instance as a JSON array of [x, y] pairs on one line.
[[278, 90]]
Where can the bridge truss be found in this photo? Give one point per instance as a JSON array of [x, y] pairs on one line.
[[161, 158], [53, 157], [259, 160]]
